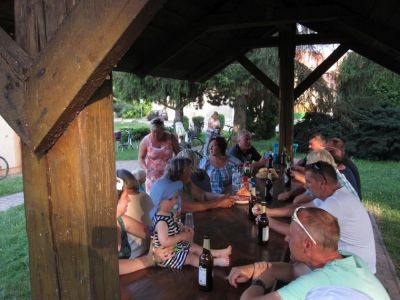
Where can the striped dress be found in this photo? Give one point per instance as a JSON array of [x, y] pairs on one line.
[[181, 250]]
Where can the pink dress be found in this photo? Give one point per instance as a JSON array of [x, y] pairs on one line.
[[156, 159]]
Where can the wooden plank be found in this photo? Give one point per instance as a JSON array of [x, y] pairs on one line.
[[258, 74], [286, 85], [95, 36], [274, 17], [84, 205], [300, 39], [320, 70], [14, 63]]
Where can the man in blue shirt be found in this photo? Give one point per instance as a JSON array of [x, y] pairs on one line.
[[313, 241]]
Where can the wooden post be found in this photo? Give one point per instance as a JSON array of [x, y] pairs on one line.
[[286, 87], [70, 197]]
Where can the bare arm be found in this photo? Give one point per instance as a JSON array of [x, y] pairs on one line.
[[277, 226], [269, 273], [135, 228], [168, 241], [142, 154]]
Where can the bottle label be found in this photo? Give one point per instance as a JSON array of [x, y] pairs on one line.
[[265, 234], [202, 276]]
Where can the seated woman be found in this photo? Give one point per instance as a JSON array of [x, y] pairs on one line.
[[219, 166], [126, 225], [139, 207], [193, 198]]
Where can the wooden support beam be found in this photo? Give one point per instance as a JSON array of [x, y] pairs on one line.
[[70, 204], [286, 87], [258, 74], [95, 36], [300, 39], [320, 70], [14, 63], [274, 17]]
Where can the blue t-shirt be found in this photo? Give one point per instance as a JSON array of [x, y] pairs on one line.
[[350, 271]]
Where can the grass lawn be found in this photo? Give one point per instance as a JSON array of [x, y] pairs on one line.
[[380, 189], [10, 185]]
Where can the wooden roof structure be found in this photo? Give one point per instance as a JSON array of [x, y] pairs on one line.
[[55, 64]]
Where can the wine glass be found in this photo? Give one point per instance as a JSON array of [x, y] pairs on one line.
[[189, 220]]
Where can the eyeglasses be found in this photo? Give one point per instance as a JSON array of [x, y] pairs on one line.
[[295, 218]]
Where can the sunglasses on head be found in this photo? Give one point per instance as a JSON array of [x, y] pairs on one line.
[[296, 219], [318, 167]]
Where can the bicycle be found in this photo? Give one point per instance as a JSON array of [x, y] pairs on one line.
[[193, 143], [129, 143], [4, 168]]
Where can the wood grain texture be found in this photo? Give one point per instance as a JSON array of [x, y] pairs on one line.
[[76, 61], [14, 62]]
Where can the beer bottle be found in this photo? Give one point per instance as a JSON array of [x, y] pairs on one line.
[[252, 201], [206, 263], [270, 161], [268, 189], [283, 156], [263, 226]]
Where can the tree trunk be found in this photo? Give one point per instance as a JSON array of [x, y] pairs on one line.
[[239, 116], [178, 115]]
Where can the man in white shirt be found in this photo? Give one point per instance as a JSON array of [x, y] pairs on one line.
[[356, 234]]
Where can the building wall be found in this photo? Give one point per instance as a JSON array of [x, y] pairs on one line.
[[10, 147]]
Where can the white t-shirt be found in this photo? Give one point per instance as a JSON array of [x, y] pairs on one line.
[[139, 208], [356, 234]]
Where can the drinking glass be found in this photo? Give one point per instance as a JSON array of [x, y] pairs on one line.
[[189, 220]]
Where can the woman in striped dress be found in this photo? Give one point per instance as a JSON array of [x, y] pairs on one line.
[[168, 233]]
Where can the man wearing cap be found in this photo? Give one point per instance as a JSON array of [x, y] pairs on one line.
[[313, 239]]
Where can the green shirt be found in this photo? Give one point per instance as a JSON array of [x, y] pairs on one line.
[[349, 272]]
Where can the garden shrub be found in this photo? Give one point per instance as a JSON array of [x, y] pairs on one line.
[[221, 119]]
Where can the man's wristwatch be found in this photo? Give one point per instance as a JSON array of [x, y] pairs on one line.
[[259, 282]]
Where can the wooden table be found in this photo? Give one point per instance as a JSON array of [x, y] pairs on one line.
[[225, 227]]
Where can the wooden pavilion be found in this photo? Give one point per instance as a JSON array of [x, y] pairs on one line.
[[56, 58]]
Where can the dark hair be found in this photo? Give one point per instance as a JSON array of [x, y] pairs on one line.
[[323, 169], [130, 182], [337, 143], [221, 143]]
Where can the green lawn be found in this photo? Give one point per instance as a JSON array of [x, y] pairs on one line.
[[380, 187], [10, 185]]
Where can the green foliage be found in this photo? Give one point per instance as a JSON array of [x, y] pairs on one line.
[[363, 84], [10, 185], [377, 135], [221, 119], [198, 123], [174, 94], [373, 135], [185, 123], [135, 109]]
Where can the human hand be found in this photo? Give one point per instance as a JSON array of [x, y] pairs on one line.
[[256, 209], [284, 196], [162, 253], [226, 202], [298, 176], [240, 274], [262, 162]]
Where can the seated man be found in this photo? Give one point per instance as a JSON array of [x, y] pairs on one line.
[[244, 151], [345, 166], [356, 234], [316, 142], [313, 241]]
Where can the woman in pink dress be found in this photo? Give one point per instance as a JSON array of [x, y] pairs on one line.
[[155, 150]]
